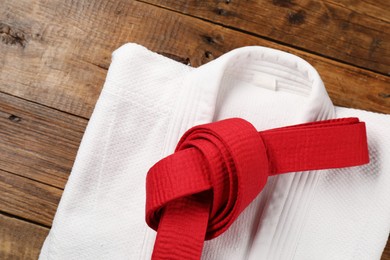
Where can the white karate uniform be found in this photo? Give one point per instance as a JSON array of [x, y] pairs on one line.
[[149, 101]]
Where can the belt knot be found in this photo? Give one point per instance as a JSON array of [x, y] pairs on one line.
[[223, 163]]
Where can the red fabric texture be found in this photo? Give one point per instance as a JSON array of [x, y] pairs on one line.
[[218, 169]]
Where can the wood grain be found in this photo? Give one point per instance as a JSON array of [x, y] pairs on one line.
[[324, 27], [386, 252], [20, 239], [28, 199], [38, 142], [371, 8], [57, 57]]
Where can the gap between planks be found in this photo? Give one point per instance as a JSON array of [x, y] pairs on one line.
[[62, 65], [20, 239], [345, 32]]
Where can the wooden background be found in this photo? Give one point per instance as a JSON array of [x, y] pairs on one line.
[[54, 56]]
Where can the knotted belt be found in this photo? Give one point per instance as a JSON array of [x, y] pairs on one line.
[[219, 168]]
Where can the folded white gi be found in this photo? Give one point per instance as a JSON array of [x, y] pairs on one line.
[[149, 101]]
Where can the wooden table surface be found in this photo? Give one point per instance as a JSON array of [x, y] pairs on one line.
[[54, 57]]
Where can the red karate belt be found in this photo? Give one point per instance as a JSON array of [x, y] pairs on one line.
[[218, 169]]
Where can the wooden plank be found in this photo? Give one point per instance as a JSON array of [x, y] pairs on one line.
[[38, 142], [373, 8], [353, 33], [20, 239], [386, 252], [28, 199], [52, 52]]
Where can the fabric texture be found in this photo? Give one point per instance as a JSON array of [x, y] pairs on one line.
[[149, 101]]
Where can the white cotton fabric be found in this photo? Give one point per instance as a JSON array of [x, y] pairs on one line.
[[149, 101]]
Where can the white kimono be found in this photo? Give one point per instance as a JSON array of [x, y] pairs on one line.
[[149, 101]]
